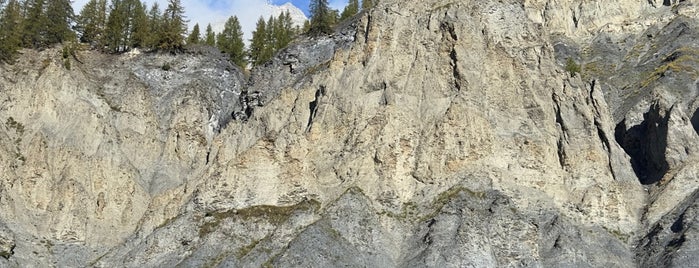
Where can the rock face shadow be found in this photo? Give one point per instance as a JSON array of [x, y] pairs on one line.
[[695, 121], [645, 143]]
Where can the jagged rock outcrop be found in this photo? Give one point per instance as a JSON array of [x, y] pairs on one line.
[[423, 133]]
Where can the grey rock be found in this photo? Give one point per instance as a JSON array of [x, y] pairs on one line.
[[7, 243], [421, 134]]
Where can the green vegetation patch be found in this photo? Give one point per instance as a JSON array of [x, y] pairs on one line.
[[275, 215], [572, 67], [410, 210], [618, 234], [680, 60]]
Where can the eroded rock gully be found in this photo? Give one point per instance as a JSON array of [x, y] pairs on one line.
[[422, 133]]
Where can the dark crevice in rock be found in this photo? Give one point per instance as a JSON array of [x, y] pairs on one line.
[[606, 144], [427, 238], [449, 28], [577, 15], [695, 121], [561, 153], [367, 29], [455, 69], [645, 144], [384, 98], [561, 140], [677, 225], [248, 103], [313, 107]]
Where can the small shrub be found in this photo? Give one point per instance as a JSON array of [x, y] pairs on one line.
[[68, 51], [166, 67], [45, 63], [572, 67]]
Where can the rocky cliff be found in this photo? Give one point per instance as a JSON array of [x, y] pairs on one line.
[[421, 134]]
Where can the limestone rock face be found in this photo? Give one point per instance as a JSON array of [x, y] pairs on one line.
[[92, 154], [422, 133]]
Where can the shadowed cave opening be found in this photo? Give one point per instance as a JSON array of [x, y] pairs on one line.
[[645, 143]]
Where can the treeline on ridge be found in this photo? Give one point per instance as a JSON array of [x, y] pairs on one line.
[[123, 25]]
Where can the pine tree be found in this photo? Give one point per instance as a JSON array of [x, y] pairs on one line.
[[258, 42], [210, 38], [270, 39], [284, 30], [140, 30], [368, 4], [115, 37], [92, 21], [34, 24], [155, 24], [10, 30], [230, 41], [334, 17], [59, 16], [270, 36], [320, 17], [194, 36], [306, 26], [350, 10], [174, 26]]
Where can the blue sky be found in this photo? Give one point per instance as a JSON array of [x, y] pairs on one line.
[[303, 4]]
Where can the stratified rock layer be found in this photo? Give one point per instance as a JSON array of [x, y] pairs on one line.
[[423, 133]]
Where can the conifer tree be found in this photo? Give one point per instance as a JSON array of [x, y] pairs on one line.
[[283, 31], [155, 24], [10, 30], [210, 38], [194, 36], [334, 17], [320, 17], [230, 41], [92, 21], [306, 26], [34, 24], [140, 30], [270, 38], [368, 4], [350, 10], [117, 26], [258, 42], [174, 26], [128, 26], [59, 16]]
